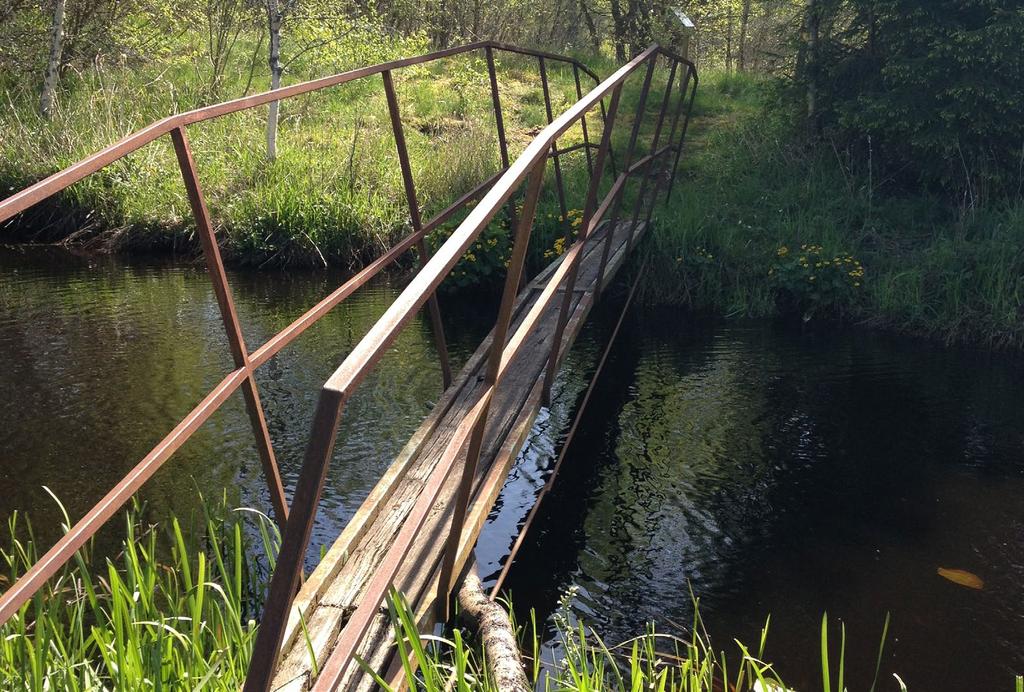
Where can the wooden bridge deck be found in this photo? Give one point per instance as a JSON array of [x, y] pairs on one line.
[[334, 589]]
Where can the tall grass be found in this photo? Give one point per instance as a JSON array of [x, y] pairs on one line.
[[652, 660], [176, 609], [751, 184], [334, 193]]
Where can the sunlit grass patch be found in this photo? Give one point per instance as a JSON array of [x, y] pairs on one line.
[[175, 609]]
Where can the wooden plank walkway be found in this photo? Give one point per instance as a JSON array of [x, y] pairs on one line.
[[334, 589]]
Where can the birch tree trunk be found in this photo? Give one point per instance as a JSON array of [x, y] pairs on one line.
[[500, 646], [53, 62], [275, 17]]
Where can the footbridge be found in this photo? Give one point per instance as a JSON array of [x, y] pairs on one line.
[[417, 529]]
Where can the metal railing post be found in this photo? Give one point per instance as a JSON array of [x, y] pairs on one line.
[[589, 207], [682, 136], [500, 336], [294, 541], [559, 184], [604, 124], [645, 173], [236, 342], [298, 522], [417, 223], [583, 120], [617, 203], [499, 124], [662, 178]]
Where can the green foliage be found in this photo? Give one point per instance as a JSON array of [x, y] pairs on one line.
[[484, 263], [932, 90], [333, 195], [653, 660], [175, 609], [748, 186], [815, 281]]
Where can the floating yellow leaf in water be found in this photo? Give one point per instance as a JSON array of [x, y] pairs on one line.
[[962, 577]]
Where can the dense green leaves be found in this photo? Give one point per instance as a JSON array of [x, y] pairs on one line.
[[932, 90]]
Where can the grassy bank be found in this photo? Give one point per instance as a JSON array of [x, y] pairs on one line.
[[762, 225], [333, 195]]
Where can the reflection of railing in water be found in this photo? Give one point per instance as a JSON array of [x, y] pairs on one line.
[[494, 193]]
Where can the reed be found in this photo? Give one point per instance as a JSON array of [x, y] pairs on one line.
[[653, 660], [175, 609]]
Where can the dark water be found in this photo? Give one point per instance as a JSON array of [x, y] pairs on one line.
[[775, 472], [771, 471], [100, 359]]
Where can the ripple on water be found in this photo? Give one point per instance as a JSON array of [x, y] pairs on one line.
[[774, 471]]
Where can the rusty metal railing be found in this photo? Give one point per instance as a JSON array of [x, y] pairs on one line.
[[246, 362], [469, 434], [493, 194]]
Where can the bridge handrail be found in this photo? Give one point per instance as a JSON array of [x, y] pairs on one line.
[[246, 362], [496, 192], [57, 182], [362, 359]]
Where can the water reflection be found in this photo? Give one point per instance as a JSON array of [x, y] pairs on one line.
[[777, 472], [102, 358], [768, 470]]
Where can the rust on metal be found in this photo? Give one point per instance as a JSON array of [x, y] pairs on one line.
[[630, 149], [417, 223], [583, 120], [586, 228], [215, 268], [499, 124], [62, 551], [500, 334], [686, 124], [555, 154], [494, 193], [374, 344], [524, 529], [641, 194]]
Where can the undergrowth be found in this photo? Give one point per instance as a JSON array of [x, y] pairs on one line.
[[753, 195], [333, 195], [176, 609], [653, 660]]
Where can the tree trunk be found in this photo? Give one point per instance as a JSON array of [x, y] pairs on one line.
[[275, 18], [500, 646], [813, 22], [588, 19], [53, 62], [619, 31], [744, 22], [728, 42]]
